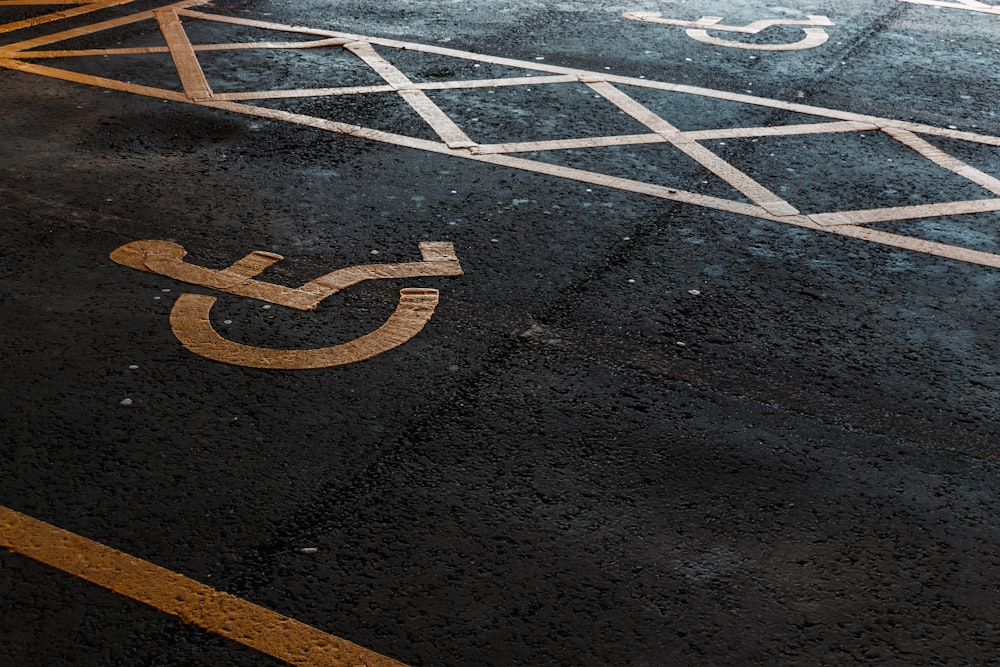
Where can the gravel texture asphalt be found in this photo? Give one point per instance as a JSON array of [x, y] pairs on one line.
[[635, 432]]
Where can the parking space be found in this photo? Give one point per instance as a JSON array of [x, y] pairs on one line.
[[539, 334]]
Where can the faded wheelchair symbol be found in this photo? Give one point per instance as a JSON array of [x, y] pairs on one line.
[[191, 324], [698, 30]]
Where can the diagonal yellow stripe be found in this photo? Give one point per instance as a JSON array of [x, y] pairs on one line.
[[226, 615], [185, 60]]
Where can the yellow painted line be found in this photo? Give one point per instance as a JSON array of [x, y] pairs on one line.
[[584, 74], [894, 213], [142, 50], [439, 121], [944, 160], [236, 46], [968, 5], [779, 130], [184, 10], [540, 67], [110, 84], [185, 60], [760, 195], [497, 83], [301, 92], [921, 245], [456, 144], [81, 8], [569, 144], [92, 28], [724, 170], [628, 185], [386, 88], [194, 603], [632, 108], [83, 53], [330, 126]]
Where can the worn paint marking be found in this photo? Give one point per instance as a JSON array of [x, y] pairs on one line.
[[455, 143], [968, 5], [191, 323], [698, 30], [194, 603], [77, 8]]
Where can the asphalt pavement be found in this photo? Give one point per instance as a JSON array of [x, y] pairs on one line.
[[500, 333]]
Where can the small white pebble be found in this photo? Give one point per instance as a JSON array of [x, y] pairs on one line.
[[266, 306], [494, 240], [156, 298], [694, 292], [227, 321], [308, 550], [125, 401], [132, 367], [631, 280], [374, 252], [626, 238], [681, 344], [165, 289]]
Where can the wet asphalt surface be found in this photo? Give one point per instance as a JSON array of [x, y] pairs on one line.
[[635, 432]]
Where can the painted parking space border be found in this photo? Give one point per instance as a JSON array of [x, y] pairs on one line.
[[764, 204], [220, 613]]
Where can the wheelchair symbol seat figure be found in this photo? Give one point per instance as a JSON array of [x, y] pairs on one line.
[[190, 317], [698, 30]]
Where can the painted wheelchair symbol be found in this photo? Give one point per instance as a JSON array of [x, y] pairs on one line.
[[191, 324], [698, 30]]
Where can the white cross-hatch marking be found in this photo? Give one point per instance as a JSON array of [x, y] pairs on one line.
[[453, 141]]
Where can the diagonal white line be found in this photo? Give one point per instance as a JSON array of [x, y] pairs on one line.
[[439, 121], [893, 213], [77, 9], [779, 130], [87, 29], [944, 160], [567, 144], [757, 193], [847, 223], [914, 244]]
